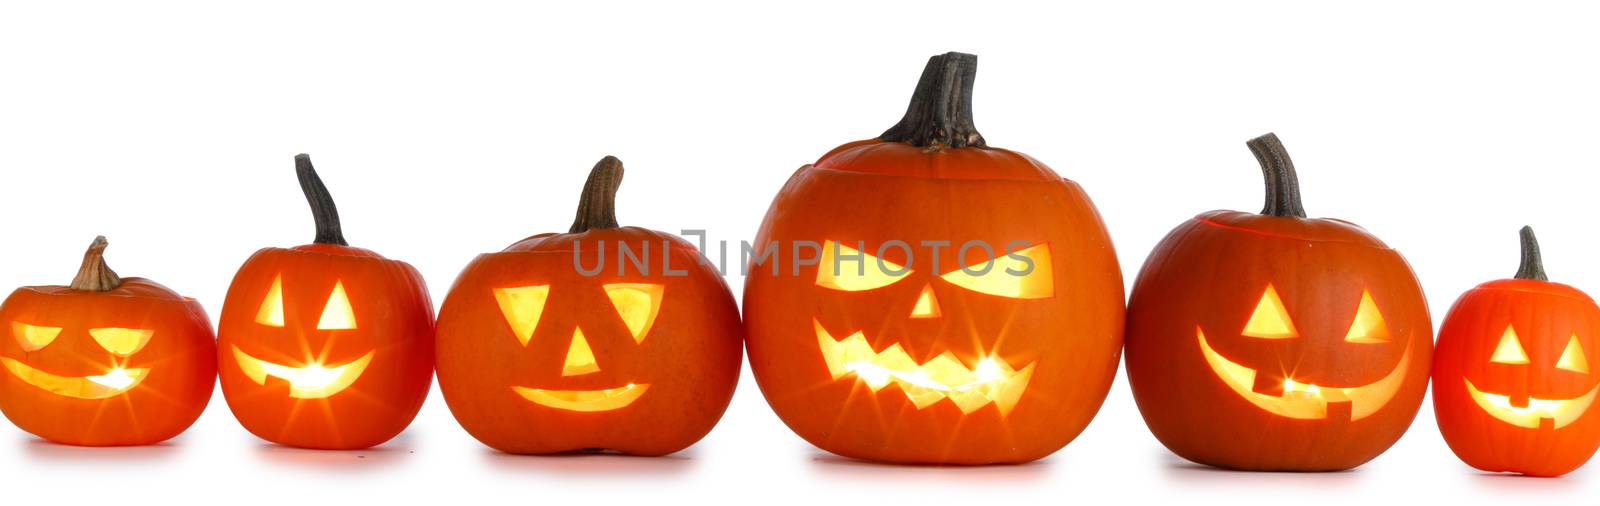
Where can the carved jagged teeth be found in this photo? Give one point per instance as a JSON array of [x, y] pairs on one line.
[[944, 377]]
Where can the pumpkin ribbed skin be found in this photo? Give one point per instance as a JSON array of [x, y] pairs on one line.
[[393, 316], [873, 192], [683, 364], [1545, 318], [275, 371], [179, 360], [1211, 273]]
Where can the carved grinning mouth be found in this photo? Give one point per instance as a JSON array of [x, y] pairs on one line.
[[312, 381], [1306, 401], [587, 401], [111, 384], [992, 380], [1560, 412]]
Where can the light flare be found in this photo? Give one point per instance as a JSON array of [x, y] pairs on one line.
[[992, 381]]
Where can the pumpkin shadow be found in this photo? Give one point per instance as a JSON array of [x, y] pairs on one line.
[[376, 458], [39, 450], [835, 467], [1525, 486], [1185, 472], [599, 465]]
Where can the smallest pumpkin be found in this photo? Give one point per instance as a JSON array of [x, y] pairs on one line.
[[106, 361], [1513, 384]]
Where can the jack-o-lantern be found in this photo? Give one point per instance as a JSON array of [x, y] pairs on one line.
[[325, 345], [1512, 384], [539, 354], [997, 347], [105, 361], [1273, 341]]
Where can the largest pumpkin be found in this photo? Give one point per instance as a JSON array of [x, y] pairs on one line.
[[923, 297], [1273, 341]]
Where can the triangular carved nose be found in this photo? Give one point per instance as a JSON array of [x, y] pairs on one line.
[[580, 359], [927, 305]]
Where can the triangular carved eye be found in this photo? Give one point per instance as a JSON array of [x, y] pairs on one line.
[[1270, 319], [1572, 359], [521, 306], [1509, 351], [271, 312], [637, 304], [337, 314], [1368, 326]]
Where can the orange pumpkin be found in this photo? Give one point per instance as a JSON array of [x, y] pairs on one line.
[[539, 354], [106, 361], [1513, 388], [1276, 342], [870, 343], [325, 345]]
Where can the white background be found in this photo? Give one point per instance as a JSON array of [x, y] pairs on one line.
[[453, 129]]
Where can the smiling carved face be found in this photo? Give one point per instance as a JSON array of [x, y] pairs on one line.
[[1280, 388], [1323, 358], [602, 338], [126, 362], [535, 358], [1514, 382], [325, 349]]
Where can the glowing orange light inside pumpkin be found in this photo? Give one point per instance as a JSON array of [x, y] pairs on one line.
[[311, 381], [944, 377], [587, 401], [1303, 400], [120, 341], [34, 337], [1368, 326], [1572, 358], [114, 382], [271, 312], [337, 314], [580, 358], [637, 304], [1001, 281], [1509, 351], [927, 305], [1560, 412], [856, 271], [522, 306], [1270, 320]]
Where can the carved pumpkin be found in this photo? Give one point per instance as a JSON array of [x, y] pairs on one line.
[[105, 361], [902, 352], [538, 355], [1276, 342], [1512, 381], [325, 345]]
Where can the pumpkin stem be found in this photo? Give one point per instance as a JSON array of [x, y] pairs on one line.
[[1532, 266], [94, 275], [940, 113], [322, 208], [597, 207], [1283, 186]]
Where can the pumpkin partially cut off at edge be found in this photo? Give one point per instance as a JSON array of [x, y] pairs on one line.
[[917, 355]]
